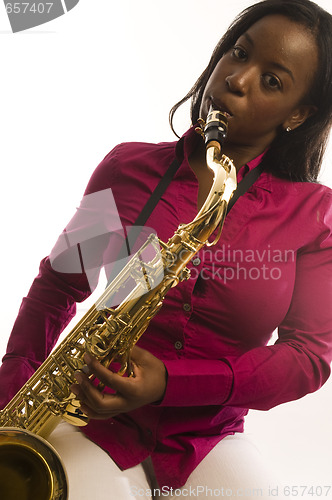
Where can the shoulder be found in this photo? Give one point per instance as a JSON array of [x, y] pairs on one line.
[[301, 193], [294, 193], [131, 153], [307, 206], [130, 159]]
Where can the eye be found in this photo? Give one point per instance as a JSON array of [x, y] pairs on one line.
[[272, 82], [239, 53]]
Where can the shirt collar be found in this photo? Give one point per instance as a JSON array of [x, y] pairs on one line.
[[188, 142]]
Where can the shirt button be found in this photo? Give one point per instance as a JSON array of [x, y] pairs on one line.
[[196, 261], [186, 307], [178, 345]]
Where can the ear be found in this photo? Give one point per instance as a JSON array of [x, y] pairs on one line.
[[299, 116]]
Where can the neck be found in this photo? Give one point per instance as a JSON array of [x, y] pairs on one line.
[[241, 154]]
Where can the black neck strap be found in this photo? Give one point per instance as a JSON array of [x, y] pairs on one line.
[[157, 193], [164, 182], [150, 205], [244, 185]]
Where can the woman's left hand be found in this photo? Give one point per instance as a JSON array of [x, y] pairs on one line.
[[147, 386]]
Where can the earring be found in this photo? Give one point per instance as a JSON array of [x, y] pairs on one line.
[[288, 129]]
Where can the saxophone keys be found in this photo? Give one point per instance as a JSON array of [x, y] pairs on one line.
[[74, 415], [185, 274], [199, 131], [200, 128]]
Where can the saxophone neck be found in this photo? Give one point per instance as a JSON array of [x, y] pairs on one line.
[[224, 179], [214, 209], [214, 132]]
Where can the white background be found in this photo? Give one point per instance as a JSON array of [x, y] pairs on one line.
[[105, 73]]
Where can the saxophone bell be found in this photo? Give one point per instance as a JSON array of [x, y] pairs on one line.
[[30, 468]]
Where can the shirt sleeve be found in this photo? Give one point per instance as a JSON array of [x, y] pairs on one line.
[[297, 364], [44, 313], [66, 277]]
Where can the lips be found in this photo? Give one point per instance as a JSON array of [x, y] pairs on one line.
[[220, 106]]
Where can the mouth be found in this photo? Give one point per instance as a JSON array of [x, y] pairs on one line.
[[220, 106]]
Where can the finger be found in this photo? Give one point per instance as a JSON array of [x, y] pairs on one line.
[[109, 378], [86, 392], [90, 404], [137, 354], [101, 372], [98, 402], [92, 414], [112, 408], [104, 406], [142, 358]]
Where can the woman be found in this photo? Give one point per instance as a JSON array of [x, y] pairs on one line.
[[204, 361]]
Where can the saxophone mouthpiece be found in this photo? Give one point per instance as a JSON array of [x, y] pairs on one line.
[[216, 127]]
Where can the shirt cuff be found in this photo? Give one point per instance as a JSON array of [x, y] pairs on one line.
[[198, 382]]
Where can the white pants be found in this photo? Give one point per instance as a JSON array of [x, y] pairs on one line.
[[234, 468]]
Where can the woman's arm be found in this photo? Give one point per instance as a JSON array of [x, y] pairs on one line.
[[263, 377], [68, 276], [297, 364], [44, 313]]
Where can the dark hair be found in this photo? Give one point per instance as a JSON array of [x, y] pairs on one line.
[[296, 155]]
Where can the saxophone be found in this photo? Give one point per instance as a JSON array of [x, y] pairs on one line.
[[29, 467]]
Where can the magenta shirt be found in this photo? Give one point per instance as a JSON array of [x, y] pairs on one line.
[[272, 268]]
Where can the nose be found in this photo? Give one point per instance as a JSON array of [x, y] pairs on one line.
[[238, 82]]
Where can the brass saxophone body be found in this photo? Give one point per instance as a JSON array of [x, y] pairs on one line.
[[108, 333]]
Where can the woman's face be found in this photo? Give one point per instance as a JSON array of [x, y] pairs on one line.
[[263, 80]]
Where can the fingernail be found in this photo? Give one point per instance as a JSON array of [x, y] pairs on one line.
[[78, 376], [74, 390], [87, 358], [85, 369]]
